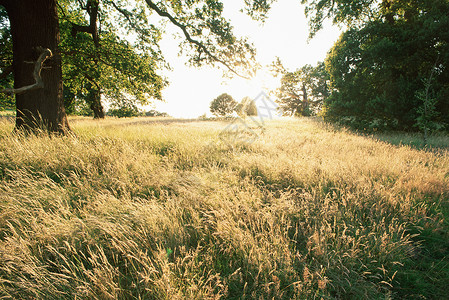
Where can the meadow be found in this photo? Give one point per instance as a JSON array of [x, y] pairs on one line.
[[156, 209]]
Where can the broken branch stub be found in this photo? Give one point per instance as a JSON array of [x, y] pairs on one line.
[[38, 66]]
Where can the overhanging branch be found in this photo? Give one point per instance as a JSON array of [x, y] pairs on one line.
[[125, 13], [128, 16], [39, 83], [189, 38]]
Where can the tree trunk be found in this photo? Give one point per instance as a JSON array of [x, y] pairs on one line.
[[94, 98], [305, 101], [34, 23]]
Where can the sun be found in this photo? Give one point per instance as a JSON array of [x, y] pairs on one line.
[[263, 81]]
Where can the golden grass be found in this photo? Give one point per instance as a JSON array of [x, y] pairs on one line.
[[138, 209]]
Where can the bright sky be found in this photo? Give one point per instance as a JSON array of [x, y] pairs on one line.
[[284, 34]]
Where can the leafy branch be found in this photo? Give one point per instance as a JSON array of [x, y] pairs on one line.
[[200, 45]]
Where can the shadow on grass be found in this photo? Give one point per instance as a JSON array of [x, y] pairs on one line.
[[437, 141]]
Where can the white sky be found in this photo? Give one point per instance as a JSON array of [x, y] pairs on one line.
[[284, 34]]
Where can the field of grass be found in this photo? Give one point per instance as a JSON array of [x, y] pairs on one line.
[[138, 209]]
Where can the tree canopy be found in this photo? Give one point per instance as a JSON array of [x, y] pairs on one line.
[[388, 70], [106, 65], [379, 71], [303, 91], [223, 105], [246, 107], [97, 60]]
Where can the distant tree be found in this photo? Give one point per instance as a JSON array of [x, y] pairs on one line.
[[289, 95], [246, 107], [251, 108], [223, 105], [129, 109], [202, 117], [303, 91], [155, 113]]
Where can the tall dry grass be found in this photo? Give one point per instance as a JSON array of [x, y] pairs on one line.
[[157, 210]]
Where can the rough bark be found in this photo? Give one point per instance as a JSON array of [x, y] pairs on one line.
[[34, 24]]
